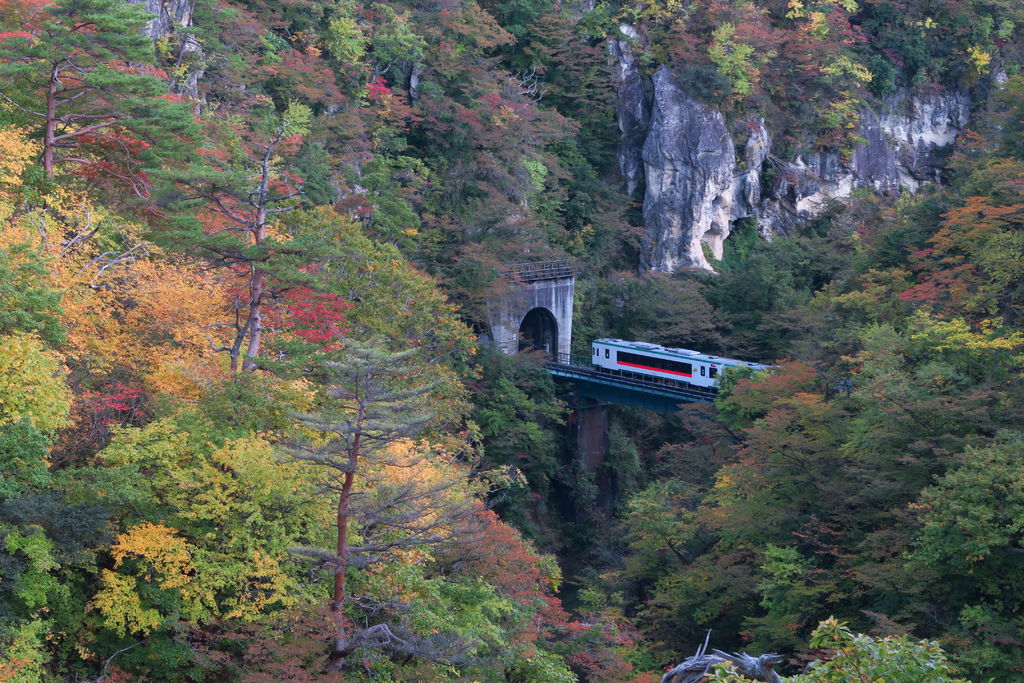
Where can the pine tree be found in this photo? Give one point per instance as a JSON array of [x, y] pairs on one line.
[[83, 76], [227, 202], [378, 401]]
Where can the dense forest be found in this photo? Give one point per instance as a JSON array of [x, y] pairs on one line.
[[252, 428]]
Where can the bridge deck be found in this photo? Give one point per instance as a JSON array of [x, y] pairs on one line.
[[581, 370]]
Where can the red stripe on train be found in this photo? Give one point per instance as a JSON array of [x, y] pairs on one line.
[[647, 367]]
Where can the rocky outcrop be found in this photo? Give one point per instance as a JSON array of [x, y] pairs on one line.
[[747, 180], [169, 17], [803, 189], [904, 145], [874, 162], [922, 130], [413, 71], [682, 153], [689, 163], [632, 111]]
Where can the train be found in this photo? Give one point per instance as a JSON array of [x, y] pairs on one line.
[[680, 368]]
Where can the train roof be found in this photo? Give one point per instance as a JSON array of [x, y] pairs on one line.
[[647, 347]]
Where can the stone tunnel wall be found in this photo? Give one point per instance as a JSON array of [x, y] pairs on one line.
[[506, 315]]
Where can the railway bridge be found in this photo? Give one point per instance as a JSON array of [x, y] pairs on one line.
[[593, 391], [533, 311], [625, 389]]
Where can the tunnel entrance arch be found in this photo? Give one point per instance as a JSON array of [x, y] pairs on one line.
[[531, 307], [539, 332]]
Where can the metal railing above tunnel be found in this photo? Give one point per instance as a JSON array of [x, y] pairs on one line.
[[540, 270], [580, 369]]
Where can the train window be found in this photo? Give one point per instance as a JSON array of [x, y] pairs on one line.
[[714, 371], [606, 353], [702, 371], [596, 351], [655, 363]]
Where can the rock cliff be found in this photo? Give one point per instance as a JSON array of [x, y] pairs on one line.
[[922, 129], [904, 145], [169, 17], [746, 187], [689, 164], [682, 153], [632, 111]]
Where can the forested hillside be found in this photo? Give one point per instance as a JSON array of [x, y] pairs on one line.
[[251, 425]]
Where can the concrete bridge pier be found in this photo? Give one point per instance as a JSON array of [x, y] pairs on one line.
[[589, 424]]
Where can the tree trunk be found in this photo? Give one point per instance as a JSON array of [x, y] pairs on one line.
[[240, 334], [338, 606], [50, 130], [256, 285], [255, 319]]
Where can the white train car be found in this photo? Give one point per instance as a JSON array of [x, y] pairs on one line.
[[672, 367]]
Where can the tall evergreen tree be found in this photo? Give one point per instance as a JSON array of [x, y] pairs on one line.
[[377, 399], [82, 75], [227, 201]]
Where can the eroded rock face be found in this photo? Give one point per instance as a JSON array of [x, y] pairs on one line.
[[168, 14], [874, 162], [747, 180], [922, 130], [171, 15], [905, 144], [695, 186], [632, 111], [413, 71], [689, 162], [802, 190]]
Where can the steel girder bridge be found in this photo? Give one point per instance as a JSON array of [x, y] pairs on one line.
[[621, 387]]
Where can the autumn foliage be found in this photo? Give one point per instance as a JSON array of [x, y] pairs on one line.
[[248, 432]]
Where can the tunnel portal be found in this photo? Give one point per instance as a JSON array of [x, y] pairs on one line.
[[539, 332], [531, 308]]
